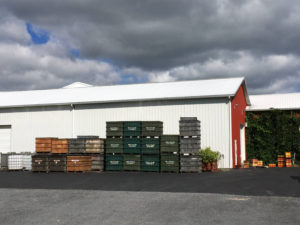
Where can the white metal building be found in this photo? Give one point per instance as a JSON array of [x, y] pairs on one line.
[[287, 101], [81, 109]]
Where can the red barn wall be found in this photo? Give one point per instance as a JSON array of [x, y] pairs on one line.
[[238, 113]]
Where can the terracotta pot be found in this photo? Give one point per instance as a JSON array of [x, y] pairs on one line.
[[213, 167]]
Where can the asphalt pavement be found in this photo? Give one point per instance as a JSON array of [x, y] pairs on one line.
[[245, 196], [253, 181]]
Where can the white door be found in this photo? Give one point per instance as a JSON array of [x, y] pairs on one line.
[[243, 143], [5, 138]]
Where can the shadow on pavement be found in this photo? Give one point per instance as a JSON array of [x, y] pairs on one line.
[[296, 178]]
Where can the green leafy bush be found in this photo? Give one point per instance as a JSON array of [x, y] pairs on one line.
[[272, 133], [209, 156]]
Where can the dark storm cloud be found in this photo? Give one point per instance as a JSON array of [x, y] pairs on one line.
[[176, 40]]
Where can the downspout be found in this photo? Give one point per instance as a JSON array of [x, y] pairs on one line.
[[230, 133], [73, 121]]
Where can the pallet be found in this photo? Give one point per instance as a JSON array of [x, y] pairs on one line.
[[129, 137], [196, 137], [169, 171], [146, 137], [39, 171], [96, 171], [17, 170]]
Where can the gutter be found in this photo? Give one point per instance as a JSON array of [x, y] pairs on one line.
[[115, 101]]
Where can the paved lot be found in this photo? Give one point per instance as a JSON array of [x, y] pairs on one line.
[[254, 196], [257, 182]]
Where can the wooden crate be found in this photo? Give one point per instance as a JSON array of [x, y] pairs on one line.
[[97, 162], [189, 145], [288, 155], [260, 163], [191, 163], [76, 145], [40, 163], [60, 146], [94, 145], [43, 145], [288, 163], [246, 164], [57, 163], [189, 126], [281, 164], [254, 162], [78, 163]]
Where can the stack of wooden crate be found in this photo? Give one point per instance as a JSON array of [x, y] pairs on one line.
[[190, 145], [43, 149], [96, 148], [82, 154], [280, 161], [288, 159], [86, 153], [169, 153]]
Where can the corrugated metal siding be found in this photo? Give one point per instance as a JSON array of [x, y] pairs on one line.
[[287, 101], [213, 113], [28, 123]]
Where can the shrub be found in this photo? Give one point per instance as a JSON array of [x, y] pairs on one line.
[[210, 156], [271, 133]]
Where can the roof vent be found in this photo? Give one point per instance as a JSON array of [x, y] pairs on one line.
[[77, 85]]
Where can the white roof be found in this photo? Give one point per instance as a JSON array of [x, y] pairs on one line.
[[77, 85], [124, 93], [286, 101]]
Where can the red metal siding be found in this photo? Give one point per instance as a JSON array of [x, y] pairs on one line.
[[238, 108]]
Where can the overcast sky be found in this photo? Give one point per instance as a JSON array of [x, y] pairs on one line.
[[49, 44]]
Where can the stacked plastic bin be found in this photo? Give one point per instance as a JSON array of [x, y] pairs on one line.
[[132, 144], [151, 133], [114, 146], [169, 149]]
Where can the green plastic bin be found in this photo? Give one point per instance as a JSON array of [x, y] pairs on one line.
[[150, 163], [152, 128], [113, 162], [132, 129], [114, 129], [169, 143], [114, 145], [169, 163], [150, 146], [132, 162], [132, 145]]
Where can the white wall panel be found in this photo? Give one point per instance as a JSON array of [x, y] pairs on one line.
[[213, 114], [29, 123], [5, 139]]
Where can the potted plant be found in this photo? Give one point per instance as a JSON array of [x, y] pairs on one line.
[[210, 159]]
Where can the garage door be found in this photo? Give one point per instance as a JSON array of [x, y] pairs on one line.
[[5, 136]]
